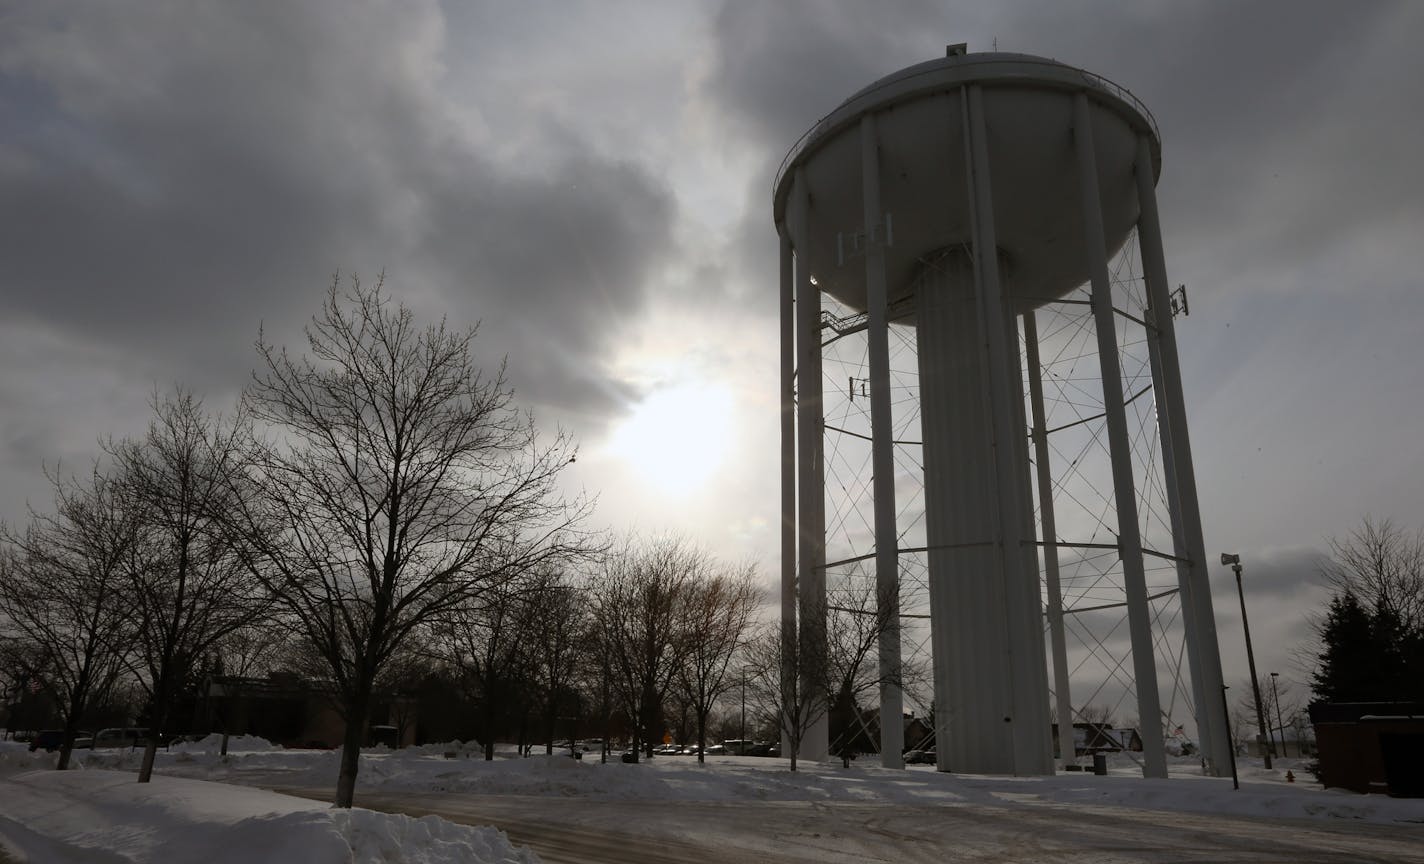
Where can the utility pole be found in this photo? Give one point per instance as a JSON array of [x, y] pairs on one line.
[[1267, 743], [1280, 720], [1235, 779], [742, 735]]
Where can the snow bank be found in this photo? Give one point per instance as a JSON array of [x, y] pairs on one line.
[[105, 816], [235, 744], [15, 757], [559, 778], [735, 778]]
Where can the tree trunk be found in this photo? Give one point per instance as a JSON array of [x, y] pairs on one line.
[[157, 721], [150, 751], [487, 713], [650, 718], [552, 719], [66, 747], [701, 738], [351, 750]]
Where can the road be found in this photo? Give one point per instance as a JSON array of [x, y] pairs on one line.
[[737, 832]]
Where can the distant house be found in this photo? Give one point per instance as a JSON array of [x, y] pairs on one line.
[[919, 734], [288, 710], [1090, 738]]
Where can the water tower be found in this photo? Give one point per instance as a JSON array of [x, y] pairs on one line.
[[955, 199]]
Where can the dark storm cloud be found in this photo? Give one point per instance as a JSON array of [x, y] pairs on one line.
[[555, 265], [1283, 132], [179, 174], [1281, 124], [777, 68], [1272, 575]]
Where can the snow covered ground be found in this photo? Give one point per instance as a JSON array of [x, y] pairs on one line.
[[102, 815], [183, 815]]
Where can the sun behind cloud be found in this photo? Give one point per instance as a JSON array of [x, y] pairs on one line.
[[677, 437]]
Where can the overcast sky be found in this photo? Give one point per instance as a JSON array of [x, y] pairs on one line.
[[591, 181]]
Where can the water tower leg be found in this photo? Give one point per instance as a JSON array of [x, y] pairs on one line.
[[1139, 619], [788, 469], [1018, 594], [811, 489], [1199, 617], [1066, 746], [887, 548]]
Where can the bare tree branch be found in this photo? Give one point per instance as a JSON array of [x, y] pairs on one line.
[[403, 483]]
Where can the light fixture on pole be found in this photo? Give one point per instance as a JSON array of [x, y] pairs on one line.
[[1234, 561]]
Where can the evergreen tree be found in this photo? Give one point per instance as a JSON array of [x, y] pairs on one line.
[[1368, 655], [1372, 636]]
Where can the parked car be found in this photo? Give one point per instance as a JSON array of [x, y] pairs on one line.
[[716, 750], [919, 757], [48, 740], [126, 736], [51, 740]]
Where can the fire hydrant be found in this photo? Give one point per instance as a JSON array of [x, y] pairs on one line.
[[1290, 776]]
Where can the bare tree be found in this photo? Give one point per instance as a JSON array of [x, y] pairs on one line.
[[481, 640], [858, 617], [189, 588], [404, 483], [62, 589], [1383, 566], [1096, 714], [828, 662], [555, 630], [787, 683], [237, 657], [719, 613], [640, 616]]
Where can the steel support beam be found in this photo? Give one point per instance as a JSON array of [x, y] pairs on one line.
[[882, 456], [788, 465], [1017, 598], [811, 520], [1056, 637], [1124, 490], [1199, 619]]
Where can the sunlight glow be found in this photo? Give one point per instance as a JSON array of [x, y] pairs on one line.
[[677, 437]]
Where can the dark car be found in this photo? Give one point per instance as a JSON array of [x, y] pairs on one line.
[[48, 740]]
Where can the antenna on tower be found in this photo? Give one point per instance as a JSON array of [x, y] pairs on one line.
[[1179, 301]]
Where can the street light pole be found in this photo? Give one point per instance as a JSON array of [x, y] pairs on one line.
[[1235, 779], [1280, 719], [742, 735], [1267, 743]]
